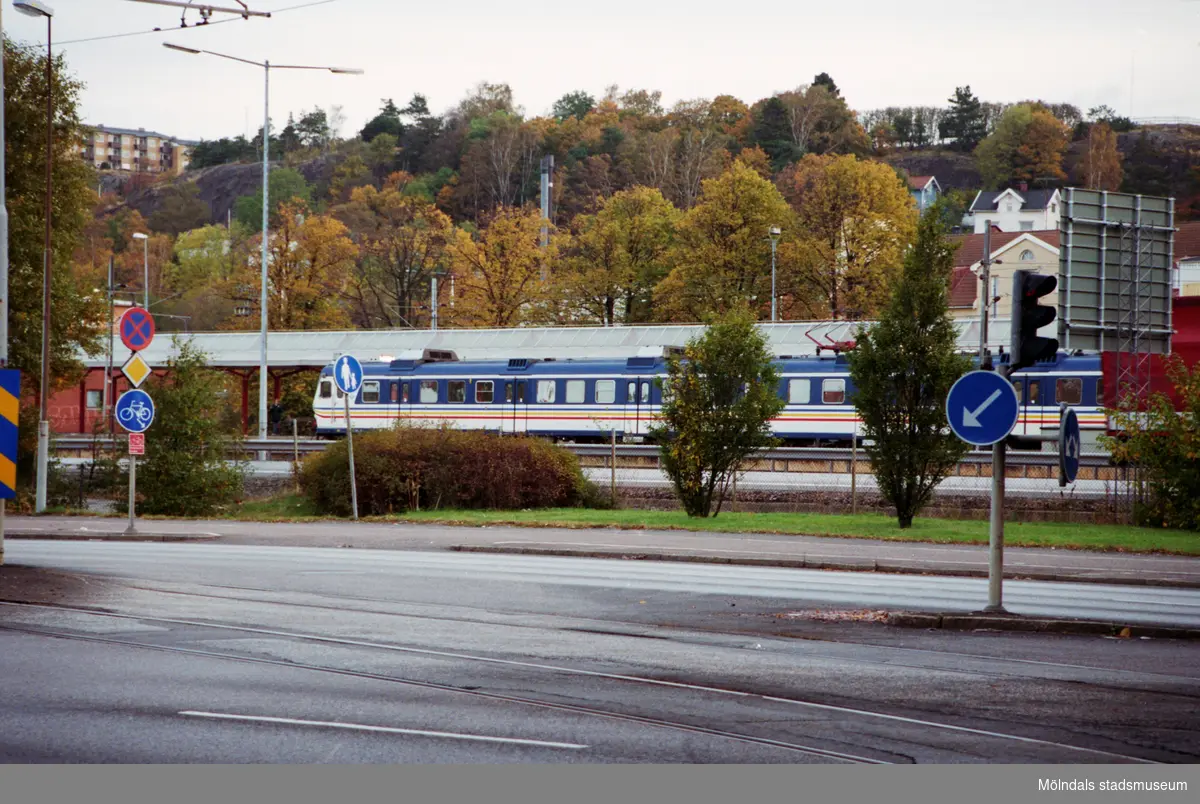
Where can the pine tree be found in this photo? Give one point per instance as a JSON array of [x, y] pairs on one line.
[[902, 369], [964, 122]]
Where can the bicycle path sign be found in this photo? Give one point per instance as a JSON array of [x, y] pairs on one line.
[[135, 411], [137, 328]]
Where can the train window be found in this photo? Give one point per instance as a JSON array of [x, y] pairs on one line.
[[1099, 390], [395, 394], [429, 391], [370, 391], [1034, 387], [606, 392], [833, 392], [485, 391], [575, 391], [632, 396], [1069, 391], [326, 389], [456, 391], [545, 391], [799, 391]]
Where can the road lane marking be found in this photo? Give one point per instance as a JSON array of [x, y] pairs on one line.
[[330, 724]]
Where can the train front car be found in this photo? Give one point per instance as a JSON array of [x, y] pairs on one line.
[[1072, 380]]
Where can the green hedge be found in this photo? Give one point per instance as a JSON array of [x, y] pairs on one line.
[[413, 468]]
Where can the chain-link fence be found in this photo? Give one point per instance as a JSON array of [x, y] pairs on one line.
[[841, 480]]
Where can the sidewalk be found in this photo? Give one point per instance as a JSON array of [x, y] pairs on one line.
[[751, 549]]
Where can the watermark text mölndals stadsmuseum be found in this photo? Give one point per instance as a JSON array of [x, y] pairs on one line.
[[1088, 785]]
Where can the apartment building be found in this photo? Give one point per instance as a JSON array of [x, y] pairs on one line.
[[135, 150]]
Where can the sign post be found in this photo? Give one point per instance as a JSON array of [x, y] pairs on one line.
[[982, 408], [135, 412], [348, 375]]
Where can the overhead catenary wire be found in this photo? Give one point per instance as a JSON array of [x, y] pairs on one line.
[[190, 27]]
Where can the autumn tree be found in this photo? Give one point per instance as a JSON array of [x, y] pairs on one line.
[[77, 313], [1100, 168], [309, 263], [854, 221], [498, 271], [722, 256], [402, 239], [902, 369], [614, 258], [202, 257], [1027, 146], [698, 153]]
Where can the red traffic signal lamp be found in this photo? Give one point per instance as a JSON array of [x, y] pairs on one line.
[[1028, 317]]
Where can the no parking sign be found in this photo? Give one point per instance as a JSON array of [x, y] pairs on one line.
[[137, 328]]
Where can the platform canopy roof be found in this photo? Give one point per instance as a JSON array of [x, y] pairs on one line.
[[286, 350]]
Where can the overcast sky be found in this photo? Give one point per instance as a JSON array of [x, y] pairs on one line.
[[880, 52]]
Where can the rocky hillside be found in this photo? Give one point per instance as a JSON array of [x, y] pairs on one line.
[[218, 186]]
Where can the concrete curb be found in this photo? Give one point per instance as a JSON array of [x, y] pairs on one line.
[[109, 536], [994, 622], [850, 565]]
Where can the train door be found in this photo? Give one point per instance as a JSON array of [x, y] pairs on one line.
[[1029, 397], [516, 405], [637, 406]]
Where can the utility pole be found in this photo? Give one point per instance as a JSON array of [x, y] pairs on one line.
[[433, 302], [3, 261], [108, 363]]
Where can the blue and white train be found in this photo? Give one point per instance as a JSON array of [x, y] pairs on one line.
[[584, 400]]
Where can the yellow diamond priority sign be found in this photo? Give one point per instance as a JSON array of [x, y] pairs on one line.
[[136, 369]]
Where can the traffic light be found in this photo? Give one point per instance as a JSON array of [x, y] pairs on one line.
[[1028, 317]]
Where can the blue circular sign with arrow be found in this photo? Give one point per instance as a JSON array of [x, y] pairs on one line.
[[982, 408], [1068, 446]]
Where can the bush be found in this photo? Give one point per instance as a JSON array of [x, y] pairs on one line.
[[186, 470], [1163, 441], [413, 468]]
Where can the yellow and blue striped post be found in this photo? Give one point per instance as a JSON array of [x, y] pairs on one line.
[[10, 405]]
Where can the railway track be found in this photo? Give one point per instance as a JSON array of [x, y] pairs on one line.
[[628, 455]]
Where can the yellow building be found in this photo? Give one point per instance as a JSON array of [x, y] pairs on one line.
[[1032, 251], [137, 151]]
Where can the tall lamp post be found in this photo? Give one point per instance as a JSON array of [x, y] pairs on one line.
[[267, 67], [773, 233], [36, 8], [145, 238]]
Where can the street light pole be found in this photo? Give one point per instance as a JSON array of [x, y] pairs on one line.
[[145, 238], [262, 300], [35, 8], [773, 233], [267, 66], [3, 259]]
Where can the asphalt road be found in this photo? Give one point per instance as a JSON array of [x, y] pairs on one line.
[[227, 653]]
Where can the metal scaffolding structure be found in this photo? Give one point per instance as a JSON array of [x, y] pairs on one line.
[[1115, 274]]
